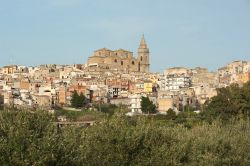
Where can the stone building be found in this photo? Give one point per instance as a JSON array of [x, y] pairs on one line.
[[9, 69], [120, 60], [177, 71], [234, 72], [42, 101], [165, 103]]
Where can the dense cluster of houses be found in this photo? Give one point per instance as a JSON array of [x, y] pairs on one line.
[[47, 86]]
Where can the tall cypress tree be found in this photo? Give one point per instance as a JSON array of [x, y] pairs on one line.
[[77, 100], [147, 106]]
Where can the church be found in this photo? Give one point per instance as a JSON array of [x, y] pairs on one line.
[[120, 60]]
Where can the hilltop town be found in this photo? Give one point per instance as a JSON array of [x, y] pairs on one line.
[[116, 77]]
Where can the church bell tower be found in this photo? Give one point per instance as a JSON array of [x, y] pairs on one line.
[[143, 56]]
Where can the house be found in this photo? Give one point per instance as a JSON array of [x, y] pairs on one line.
[[135, 103], [61, 94], [42, 101], [9, 69], [148, 86], [244, 77], [176, 71], [174, 82], [204, 92], [165, 103]]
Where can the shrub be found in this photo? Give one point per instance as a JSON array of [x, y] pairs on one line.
[[31, 138]]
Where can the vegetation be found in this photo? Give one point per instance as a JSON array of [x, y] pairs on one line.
[[77, 101], [33, 139], [83, 115], [230, 102], [171, 114], [147, 106], [106, 108]]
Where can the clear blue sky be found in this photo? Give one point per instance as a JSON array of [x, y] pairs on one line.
[[190, 33]]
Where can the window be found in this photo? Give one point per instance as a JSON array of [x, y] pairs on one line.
[[141, 58], [115, 60], [133, 62], [121, 62]]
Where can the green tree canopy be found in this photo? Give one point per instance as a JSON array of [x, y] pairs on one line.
[[32, 138], [147, 106], [230, 101], [171, 114], [77, 101]]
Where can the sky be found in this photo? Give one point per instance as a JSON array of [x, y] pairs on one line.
[[188, 33]]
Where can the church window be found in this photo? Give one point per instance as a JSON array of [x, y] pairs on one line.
[[141, 58], [121, 62], [133, 62]]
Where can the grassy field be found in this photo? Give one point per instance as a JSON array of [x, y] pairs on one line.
[[83, 115]]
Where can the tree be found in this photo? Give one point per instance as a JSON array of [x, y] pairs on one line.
[[230, 101], [82, 99], [77, 101], [147, 106], [74, 98], [32, 138], [171, 114]]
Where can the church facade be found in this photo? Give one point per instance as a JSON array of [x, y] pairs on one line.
[[120, 60]]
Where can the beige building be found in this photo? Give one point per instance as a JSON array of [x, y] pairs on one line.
[[204, 93], [236, 67], [42, 101], [176, 71], [244, 77], [234, 72], [25, 84], [120, 60], [9, 69], [209, 78], [165, 103], [62, 95]]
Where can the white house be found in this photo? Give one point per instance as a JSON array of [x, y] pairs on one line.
[[135, 103], [174, 82]]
